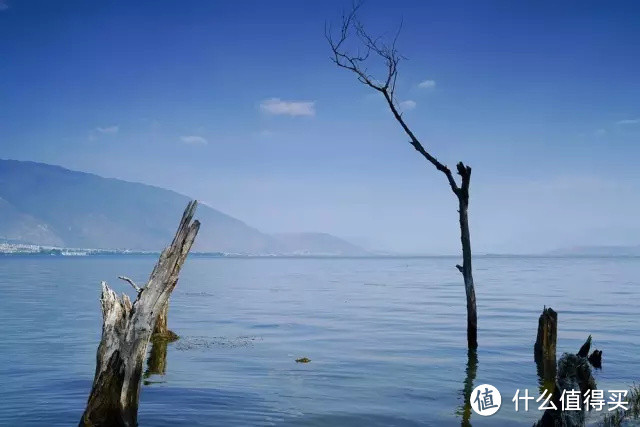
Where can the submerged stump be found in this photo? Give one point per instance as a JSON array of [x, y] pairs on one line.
[[126, 330], [573, 374], [545, 348], [161, 331]]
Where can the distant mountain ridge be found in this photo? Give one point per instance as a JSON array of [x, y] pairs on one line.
[[49, 205], [608, 250], [316, 244]]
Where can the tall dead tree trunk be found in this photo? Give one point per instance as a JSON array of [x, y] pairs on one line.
[[465, 268], [390, 57], [126, 331]]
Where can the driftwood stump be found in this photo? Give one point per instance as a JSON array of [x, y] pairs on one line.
[[126, 331]]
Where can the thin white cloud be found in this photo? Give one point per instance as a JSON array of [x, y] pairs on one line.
[[193, 139], [289, 108], [427, 84], [3, 5], [600, 132], [108, 129], [408, 105], [265, 133], [628, 122]]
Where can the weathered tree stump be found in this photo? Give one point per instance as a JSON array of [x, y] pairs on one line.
[[161, 329], [574, 374], [596, 359], [126, 331], [545, 348]]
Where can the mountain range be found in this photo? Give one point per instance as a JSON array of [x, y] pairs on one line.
[[49, 205], [605, 251]]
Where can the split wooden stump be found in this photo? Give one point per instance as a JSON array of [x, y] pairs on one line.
[[126, 330], [544, 349], [572, 373]]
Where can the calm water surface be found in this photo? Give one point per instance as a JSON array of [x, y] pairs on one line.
[[386, 337]]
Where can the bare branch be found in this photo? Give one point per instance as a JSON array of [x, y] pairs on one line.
[[342, 58], [391, 58], [132, 283], [419, 148]]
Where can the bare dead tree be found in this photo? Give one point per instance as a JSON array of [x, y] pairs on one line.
[[127, 329], [368, 48]]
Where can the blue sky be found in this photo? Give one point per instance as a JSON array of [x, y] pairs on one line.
[[237, 104]]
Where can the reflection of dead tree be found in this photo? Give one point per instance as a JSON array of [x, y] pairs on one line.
[[126, 331], [390, 57], [472, 368], [157, 360]]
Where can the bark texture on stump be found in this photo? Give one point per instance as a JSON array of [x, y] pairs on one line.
[[161, 327], [545, 348], [574, 374], [161, 330], [126, 331], [547, 337]]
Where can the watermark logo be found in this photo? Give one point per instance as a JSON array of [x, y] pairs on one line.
[[485, 400], [573, 400]]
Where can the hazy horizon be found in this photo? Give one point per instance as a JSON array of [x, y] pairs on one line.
[[241, 108]]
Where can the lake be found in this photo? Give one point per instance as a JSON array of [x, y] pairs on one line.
[[386, 337]]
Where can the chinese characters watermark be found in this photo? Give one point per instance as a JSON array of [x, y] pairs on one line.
[[574, 400], [486, 400]]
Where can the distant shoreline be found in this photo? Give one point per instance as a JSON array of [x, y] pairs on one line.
[[61, 253]]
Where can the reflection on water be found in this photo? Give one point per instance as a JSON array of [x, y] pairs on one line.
[[390, 354], [471, 369], [157, 360]]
